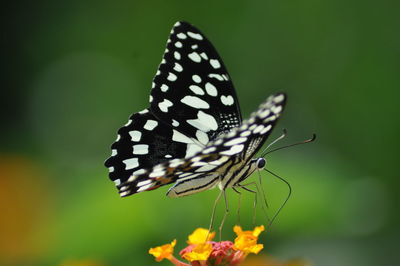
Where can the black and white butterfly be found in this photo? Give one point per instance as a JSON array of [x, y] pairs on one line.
[[192, 134]]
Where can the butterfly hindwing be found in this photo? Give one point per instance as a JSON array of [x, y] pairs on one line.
[[192, 90]]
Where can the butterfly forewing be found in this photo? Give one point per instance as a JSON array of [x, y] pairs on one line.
[[192, 90], [192, 101]]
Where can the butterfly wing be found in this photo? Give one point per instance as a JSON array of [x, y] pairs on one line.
[[192, 90], [144, 142], [192, 101], [220, 161]]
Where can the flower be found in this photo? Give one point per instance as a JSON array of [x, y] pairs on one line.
[[163, 252], [246, 241], [201, 250]]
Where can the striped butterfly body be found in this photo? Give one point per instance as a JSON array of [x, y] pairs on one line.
[[192, 134]]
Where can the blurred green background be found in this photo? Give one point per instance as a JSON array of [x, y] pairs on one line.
[[73, 71]]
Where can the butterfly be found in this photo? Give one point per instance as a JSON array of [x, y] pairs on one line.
[[192, 134]]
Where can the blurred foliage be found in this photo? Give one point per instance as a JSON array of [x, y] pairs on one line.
[[72, 72]]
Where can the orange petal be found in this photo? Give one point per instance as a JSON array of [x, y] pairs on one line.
[[200, 235], [164, 251], [200, 252]]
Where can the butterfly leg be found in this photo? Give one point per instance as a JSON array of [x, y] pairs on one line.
[[244, 187], [239, 201], [257, 193], [213, 213], [225, 214], [238, 209]]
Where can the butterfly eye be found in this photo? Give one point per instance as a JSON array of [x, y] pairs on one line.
[[261, 162]]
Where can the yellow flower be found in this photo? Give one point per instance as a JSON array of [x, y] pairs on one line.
[[200, 235], [246, 241], [164, 251], [200, 252]]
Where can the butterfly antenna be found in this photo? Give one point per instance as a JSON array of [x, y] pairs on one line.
[[290, 145], [275, 141], [285, 201]]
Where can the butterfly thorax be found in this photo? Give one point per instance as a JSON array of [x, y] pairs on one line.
[[240, 171]]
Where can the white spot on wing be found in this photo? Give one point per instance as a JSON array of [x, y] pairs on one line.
[[157, 173], [258, 129], [143, 183], [279, 98], [164, 105], [215, 63], [196, 78], [196, 36], [195, 57], [196, 89], [179, 137], [131, 163], [117, 182], [245, 133], [135, 135], [175, 123], [211, 90], [235, 141], [204, 55], [202, 137], [227, 100], [204, 122], [217, 76], [178, 67], [195, 102], [171, 76], [264, 113], [143, 188], [192, 149], [139, 172], [177, 55], [210, 149], [123, 194], [150, 124], [178, 44], [276, 109], [164, 88], [233, 150], [266, 129], [141, 149], [181, 35]]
